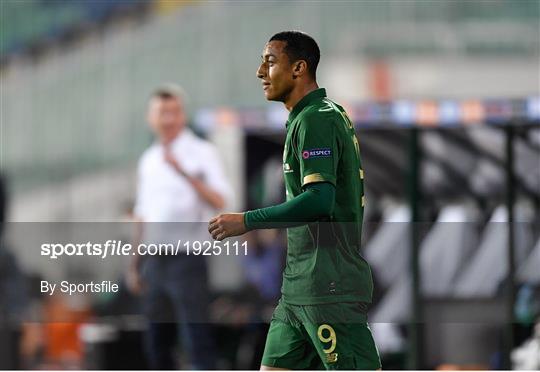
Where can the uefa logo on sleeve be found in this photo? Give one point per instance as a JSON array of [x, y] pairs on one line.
[[317, 153]]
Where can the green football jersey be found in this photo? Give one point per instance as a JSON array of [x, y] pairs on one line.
[[324, 264]]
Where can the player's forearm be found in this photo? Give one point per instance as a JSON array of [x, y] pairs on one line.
[[316, 202]]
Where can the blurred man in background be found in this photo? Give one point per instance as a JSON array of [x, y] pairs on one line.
[[321, 319], [179, 180]]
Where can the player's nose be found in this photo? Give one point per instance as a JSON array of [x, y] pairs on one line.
[[259, 72]]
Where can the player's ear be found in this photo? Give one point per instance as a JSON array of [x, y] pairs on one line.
[[299, 68]]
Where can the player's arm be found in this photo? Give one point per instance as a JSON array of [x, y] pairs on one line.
[[315, 203], [316, 135]]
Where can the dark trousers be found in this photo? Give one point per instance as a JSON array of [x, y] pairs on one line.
[[176, 303]]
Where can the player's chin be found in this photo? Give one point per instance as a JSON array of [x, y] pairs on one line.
[[269, 96]]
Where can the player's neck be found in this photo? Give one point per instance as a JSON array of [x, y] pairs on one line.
[[298, 93]]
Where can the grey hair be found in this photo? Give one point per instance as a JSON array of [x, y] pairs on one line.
[[170, 90]]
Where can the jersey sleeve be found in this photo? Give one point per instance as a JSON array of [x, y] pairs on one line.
[[317, 148]]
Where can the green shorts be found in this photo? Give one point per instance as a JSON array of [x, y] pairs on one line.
[[325, 336]]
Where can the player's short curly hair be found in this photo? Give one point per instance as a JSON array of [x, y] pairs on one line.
[[300, 46]]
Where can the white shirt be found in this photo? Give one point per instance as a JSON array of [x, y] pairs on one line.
[[164, 195]]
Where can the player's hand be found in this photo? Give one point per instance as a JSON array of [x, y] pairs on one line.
[[226, 225]]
